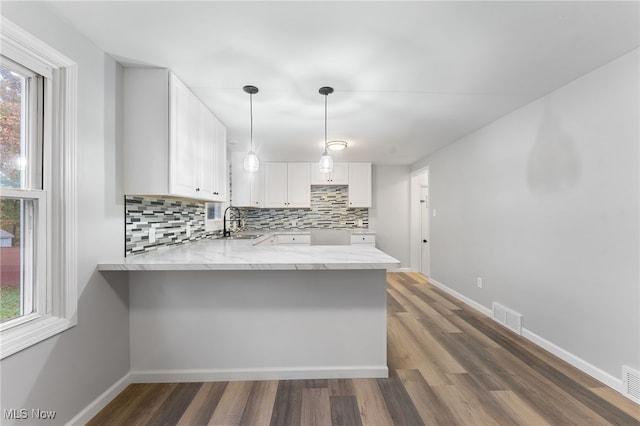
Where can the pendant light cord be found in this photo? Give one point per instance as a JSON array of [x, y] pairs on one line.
[[251, 118], [325, 122]]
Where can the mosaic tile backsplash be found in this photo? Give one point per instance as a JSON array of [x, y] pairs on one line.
[[328, 210], [170, 218]]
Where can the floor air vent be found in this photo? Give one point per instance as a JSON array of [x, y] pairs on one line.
[[507, 317], [631, 383]]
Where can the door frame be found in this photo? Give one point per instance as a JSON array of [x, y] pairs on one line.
[[419, 178]]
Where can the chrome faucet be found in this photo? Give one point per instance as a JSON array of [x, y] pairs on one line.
[[227, 232]]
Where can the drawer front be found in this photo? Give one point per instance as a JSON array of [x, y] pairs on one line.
[[293, 239], [363, 239]]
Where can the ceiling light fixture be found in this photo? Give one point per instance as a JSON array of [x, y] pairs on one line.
[[337, 145], [251, 162], [326, 162]]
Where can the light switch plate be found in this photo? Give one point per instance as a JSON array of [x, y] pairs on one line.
[[152, 235]]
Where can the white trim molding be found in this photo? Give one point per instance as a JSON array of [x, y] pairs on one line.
[[582, 365], [100, 402], [577, 362], [59, 184], [475, 305]]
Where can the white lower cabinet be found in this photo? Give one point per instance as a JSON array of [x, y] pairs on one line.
[[293, 239], [287, 185], [364, 239]]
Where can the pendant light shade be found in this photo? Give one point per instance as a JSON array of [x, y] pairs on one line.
[[326, 162], [251, 162]]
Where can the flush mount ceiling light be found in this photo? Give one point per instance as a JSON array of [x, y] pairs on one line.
[[326, 162], [337, 145], [251, 162]]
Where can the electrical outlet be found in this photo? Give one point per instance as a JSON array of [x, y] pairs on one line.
[[479, 282], [434, 212], [152, 235], [188, 231]]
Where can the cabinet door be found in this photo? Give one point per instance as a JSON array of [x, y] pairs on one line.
[[299, 185], [183, 145], [256, 181], [240, 182], [359, 184], [340, 174], [206, 159], [282, 239], [219, 168], [275, 185], [363, 239], [247, 188], [318, 177]]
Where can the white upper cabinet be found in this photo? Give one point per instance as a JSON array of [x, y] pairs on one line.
[[339, 175], [247, 187], [299, 185], [359, 184], [219, 185], [275, 184], [287, 185], [173, 145]]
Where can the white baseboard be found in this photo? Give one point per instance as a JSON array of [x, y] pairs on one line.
[[575, 361], [475, 305], [215, 375], [100, 402], [561, 353]]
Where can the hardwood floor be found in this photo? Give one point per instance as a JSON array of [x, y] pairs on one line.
[[449, 365]]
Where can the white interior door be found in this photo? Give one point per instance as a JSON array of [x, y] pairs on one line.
[[425, 260]]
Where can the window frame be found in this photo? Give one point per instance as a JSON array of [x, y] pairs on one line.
[[56, 301]]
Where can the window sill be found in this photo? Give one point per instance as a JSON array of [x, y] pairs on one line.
[[32, 332]]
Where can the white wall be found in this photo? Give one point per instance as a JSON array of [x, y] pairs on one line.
[[543, 204], [67, 372], [389, 213]]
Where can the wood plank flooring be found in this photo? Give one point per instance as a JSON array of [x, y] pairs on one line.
[[449, 365]]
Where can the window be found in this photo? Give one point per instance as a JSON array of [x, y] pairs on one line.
[[22, 203], [38, 295]]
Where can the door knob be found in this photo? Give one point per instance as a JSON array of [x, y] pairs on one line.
[[424, 241]]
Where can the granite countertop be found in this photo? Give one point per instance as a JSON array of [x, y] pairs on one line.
[[224, 254]]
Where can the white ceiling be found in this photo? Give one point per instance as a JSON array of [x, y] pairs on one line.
[[409, 77]]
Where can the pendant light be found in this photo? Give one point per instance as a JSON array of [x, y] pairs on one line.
[[251, 162], [326, 162]]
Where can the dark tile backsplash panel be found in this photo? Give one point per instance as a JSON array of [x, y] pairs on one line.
[[170, 217]]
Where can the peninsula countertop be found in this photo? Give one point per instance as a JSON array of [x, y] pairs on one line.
[[241, 254]]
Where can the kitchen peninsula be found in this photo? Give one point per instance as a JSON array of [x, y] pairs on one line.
[[236, 309]]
